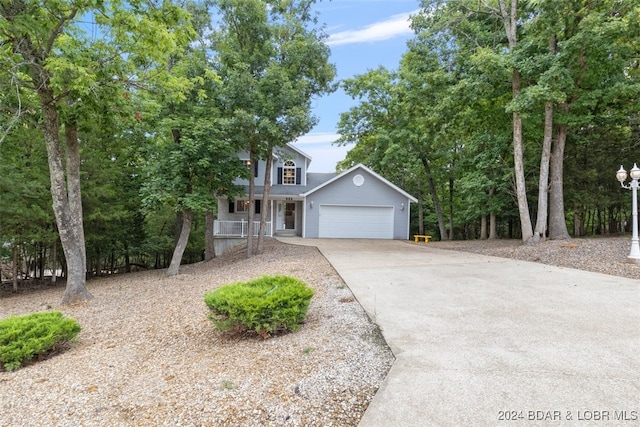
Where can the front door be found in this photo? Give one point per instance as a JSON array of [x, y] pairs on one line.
[[290, 216], [280, 216]]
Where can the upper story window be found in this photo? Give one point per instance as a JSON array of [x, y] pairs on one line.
[[289, 173], [247, 163]]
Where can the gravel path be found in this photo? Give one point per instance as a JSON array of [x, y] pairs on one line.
[[148, 355], [606, 255]]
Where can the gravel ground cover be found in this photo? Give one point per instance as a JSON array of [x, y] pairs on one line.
[[606, 255], [148, 355]]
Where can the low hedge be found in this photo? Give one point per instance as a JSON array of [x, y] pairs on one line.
[[266, 305], [24, 338]]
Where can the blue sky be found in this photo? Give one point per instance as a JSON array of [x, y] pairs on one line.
[[363, 35]]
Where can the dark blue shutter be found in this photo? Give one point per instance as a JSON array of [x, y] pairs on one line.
[[255, 169], [279, 175], [232, 206], [298, 176], [258, 206]]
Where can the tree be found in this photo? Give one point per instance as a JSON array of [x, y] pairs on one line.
[[390, 129], [425, 99], [510, 18], [51, 56], [272, 62], [589, 47], [25, 217], [192, 160]]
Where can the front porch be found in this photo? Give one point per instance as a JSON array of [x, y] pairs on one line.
[[239, 228], [284, 218], [231, 234]]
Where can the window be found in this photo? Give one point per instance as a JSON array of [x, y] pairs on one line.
[[247, 163], [289, 173], [241, 206]]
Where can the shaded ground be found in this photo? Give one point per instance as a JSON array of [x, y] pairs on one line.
[[606, 255], [148, 354]]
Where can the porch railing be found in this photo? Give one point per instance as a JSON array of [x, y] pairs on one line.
[[238, 228]]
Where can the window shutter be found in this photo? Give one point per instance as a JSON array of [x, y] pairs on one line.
[[258, 206], [279, 175], [298, 176], [255, 169], [232, 206]]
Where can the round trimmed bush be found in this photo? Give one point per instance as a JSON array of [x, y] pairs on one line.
[[24, 338], [266, 305]]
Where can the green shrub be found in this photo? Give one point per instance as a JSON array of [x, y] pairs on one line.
[[266, 305], [23, 338]]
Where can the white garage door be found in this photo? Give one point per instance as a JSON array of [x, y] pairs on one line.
[[356, 222]]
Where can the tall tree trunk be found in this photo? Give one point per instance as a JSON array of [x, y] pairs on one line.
[[209, 240], [492, 227], [483, 227], [492, 215], [557, 222], [67, 202], [265, 202], [450, 208], [421, 213], [127, 258], [65, 191], [510, 21], [543, 183], [435, 199], [177, 227], [14, 271], [183, 222], [54, 262], [518, 161], [252, 204], [577, 224], [98, 271], [181, 245], [42, 253]]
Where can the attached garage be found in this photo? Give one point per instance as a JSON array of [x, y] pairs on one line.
[[356, 222], [355, 204]]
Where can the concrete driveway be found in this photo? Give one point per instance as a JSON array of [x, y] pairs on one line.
[[483, 341]]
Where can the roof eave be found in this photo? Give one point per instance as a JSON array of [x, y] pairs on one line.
[[361, 166]]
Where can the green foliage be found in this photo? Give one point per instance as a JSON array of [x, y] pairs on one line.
[[23, 338], [266, 305], [449, 107], [25, 215]]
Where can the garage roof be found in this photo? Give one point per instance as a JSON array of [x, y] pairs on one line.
[[363, 167]]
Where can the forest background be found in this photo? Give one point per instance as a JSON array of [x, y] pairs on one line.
[[506, 119]]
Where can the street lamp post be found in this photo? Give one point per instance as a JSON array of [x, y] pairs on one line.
[[621, 175]]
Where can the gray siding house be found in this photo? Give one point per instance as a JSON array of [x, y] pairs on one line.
[[355, 204]]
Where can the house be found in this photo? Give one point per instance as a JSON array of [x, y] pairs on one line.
[[357, 203]]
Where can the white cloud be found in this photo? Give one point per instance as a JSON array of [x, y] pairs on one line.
[[317, 138], [319, 147], [396, 25]]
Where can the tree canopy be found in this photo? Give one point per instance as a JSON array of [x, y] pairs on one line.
[[122, 121], [493, 98]]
